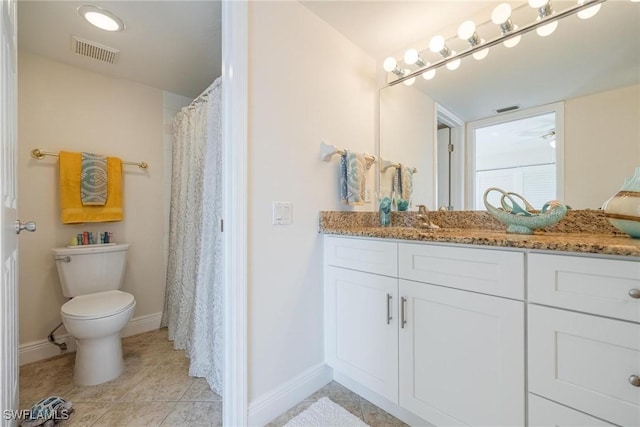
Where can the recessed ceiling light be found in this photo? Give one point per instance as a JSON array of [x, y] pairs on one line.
[[101, 18]]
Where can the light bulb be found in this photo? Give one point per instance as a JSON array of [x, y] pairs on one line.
[[501, 13], [436, 44], [453, 65], [537, 4], [466, 30], [410, 81], [513, 41], [546, 30], [588, 12], [389, 64], [410, 57], [481, 54], [428, 75]]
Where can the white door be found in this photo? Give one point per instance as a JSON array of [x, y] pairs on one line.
[[9, 268], [362, 328], [461, 356]]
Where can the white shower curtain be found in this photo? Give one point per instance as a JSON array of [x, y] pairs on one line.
[[193, 309]]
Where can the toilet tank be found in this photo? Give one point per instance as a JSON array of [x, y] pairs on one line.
[[92, 268]]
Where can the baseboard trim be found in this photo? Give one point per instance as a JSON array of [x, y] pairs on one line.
[[141, 324], [270, 405], [42, 349]]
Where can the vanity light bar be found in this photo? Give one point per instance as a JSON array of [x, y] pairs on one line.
[[515, 33]]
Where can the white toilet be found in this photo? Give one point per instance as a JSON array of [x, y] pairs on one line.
[[92, 275]]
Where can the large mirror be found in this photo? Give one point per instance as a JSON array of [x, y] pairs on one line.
[[587, 71]]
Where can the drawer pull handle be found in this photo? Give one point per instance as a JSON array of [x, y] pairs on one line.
[[634, 293], [403, 320], [389, 309], [634, 380]]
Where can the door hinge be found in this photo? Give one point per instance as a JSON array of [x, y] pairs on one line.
[[450, 147], [222, 225]]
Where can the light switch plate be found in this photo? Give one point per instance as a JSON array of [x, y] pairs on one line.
[[282, 213]]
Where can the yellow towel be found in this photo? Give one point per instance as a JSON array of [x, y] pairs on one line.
[[71, 209]]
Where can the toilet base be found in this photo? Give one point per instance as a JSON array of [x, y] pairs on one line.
[[98, 360]]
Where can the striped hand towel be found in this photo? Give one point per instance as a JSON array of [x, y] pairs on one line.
[[352, 178], [396, 181], [93, 180]]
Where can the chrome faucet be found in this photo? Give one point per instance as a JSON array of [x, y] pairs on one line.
[[423, 218]]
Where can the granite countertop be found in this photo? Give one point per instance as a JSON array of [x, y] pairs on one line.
[[583, 231]]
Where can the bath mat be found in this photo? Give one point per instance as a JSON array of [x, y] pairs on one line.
[[325, 413]]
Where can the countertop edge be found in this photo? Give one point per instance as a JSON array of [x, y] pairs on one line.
[[598, 244]]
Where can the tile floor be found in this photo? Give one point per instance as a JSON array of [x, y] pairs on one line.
[[360, 407], [156, 390]]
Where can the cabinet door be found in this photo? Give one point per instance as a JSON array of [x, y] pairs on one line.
[[361, 338], [585, 362], [545, 413], [461, 356]]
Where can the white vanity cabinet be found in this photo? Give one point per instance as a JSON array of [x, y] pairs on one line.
[[434, 342], [361, 329], [462, 353], [584, 340]]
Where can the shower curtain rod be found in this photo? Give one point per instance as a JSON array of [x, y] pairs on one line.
[[37, 153], [203, 96]]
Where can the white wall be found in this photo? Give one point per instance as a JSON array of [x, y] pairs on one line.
[[65, 108], [601, 145], [307, 83]]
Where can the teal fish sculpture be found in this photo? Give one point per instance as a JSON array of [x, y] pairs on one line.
[[523, 219]]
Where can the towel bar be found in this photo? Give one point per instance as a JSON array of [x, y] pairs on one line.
[[37, 153], [327, 151], [386, 164]]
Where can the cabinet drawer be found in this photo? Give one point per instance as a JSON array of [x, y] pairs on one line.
[[585, 362], [545, 413], [592, 285], [371, 256], [481, 270]]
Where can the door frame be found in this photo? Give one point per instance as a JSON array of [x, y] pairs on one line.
[[235, 173], [457, 133]]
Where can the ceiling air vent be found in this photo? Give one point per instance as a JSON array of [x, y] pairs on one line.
[[94, 50], [505, 109]]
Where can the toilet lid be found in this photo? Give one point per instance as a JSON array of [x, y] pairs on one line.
[[101, 304]]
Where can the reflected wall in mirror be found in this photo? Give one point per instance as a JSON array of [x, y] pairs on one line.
[[592, 67], [407, 119]]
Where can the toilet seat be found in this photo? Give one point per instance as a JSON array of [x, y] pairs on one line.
[[98, 305]]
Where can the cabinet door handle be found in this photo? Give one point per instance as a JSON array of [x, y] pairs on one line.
[[403, 320], [634, 293], [634, 380], [389, 297]]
